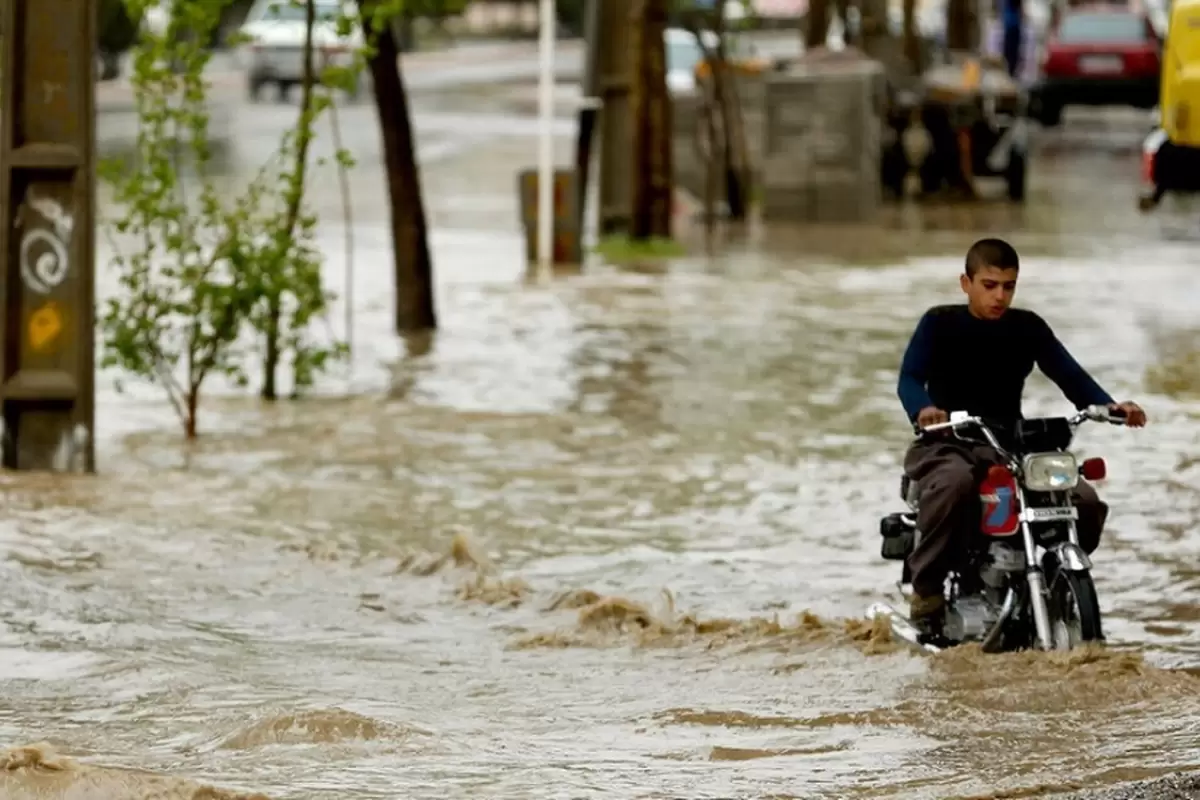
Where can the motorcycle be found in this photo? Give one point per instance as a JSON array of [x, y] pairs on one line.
[[1025, 581]]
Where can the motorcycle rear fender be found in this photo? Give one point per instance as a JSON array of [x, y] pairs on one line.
[[1071, 557]]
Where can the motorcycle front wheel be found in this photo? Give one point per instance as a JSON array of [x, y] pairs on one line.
[[1074, 610]]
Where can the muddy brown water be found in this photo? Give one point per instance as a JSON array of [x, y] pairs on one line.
[[607, 535]]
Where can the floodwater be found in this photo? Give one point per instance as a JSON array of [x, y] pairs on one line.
[[607, 534]]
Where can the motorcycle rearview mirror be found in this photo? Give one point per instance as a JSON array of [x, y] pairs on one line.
[[1094, 469]]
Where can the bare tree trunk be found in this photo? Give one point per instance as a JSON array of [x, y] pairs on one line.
[[958, 25], [912, 44], [737, 158], [190, 430], [653, 181], [410, 240], [714, 158], [816, 27], [734, 153], [843, 12]]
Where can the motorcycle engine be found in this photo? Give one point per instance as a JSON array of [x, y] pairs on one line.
[[971, 618]]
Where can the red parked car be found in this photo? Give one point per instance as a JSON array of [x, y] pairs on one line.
[[1098, 55]]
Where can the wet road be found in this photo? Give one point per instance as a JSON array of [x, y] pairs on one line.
[[610, 534]]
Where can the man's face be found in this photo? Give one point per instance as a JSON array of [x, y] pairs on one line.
[[990, 292]]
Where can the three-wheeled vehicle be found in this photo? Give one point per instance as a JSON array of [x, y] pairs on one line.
[[1171, 153], [976, 119]]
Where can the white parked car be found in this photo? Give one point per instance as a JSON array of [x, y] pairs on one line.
[[156, 17], [274, 43]]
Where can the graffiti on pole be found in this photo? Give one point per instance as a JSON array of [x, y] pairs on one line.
[[45, 327], [44, 256]]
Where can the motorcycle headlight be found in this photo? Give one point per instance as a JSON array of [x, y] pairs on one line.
[[1050, 472]]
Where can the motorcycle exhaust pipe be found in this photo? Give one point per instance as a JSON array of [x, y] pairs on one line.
[[990, 642]]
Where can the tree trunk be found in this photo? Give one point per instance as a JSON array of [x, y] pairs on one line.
[[651, 111], [958, 25], [271, 353], [735, 153], [843, 12], [192, 402], [912, 43], [716, 159], [410, 240], [721, 85], [816, 27]]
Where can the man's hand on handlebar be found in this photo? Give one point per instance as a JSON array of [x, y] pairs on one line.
[[1133, 414], [931, 416]]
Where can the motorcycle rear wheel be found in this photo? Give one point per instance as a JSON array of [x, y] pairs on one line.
[[1074, 610]]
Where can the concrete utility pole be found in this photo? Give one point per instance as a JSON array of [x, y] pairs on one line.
[[47, 268]]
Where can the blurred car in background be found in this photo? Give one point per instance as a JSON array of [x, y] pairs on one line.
[[1098, 55], [273, 48], [157, 18]]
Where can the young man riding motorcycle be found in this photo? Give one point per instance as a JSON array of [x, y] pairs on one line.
[[975, 358]]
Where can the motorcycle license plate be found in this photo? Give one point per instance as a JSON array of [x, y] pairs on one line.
[[1049, 514], [1100, 65]]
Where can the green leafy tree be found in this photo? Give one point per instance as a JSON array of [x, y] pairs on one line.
[[432, 9], [288, 274], [196, 270]]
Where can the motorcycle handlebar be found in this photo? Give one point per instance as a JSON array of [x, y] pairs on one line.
[[946, 426], [1113, 416]]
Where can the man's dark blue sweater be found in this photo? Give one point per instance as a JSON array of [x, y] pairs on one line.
[[958, 362]]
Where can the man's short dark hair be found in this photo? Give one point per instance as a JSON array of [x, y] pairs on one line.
[[991, 253]]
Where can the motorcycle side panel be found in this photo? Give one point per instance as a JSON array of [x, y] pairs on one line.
[[1000, 514]]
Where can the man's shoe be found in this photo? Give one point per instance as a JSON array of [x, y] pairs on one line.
[[928, 616]]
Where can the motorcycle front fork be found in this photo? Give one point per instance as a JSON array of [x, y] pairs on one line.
[[1037, 581]]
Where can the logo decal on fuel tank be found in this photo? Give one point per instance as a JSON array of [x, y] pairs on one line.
[[997, 515]]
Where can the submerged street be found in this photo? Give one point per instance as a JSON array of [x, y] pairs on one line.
[[607, 534]]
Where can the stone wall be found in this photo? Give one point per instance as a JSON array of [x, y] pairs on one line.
[[813, 135], [822, 142]]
